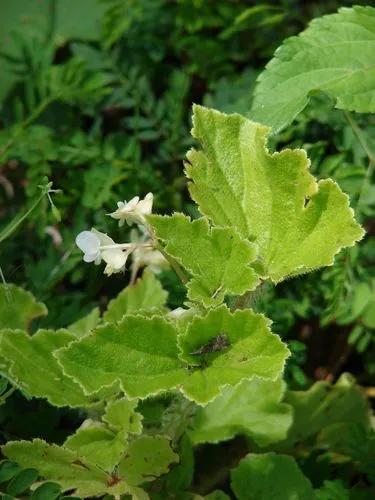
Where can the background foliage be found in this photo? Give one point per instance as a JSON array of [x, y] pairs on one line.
[[97, 96]]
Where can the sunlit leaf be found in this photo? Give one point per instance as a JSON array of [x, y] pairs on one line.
[[335, 55], [86, 324], [121, 416], [298, 224], [217, 258], [18, 307]]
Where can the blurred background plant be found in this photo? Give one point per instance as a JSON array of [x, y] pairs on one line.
[[96, 95]]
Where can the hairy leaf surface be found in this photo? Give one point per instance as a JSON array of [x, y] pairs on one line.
[[272, 199], [252, 407], [145, 295], [335, 54], [139, 352], [30, 364], [261, 477], [251, 350], [85, 325], [217, 258], [121, 416]]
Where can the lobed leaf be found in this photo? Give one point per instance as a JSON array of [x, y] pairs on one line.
[[251, 351], [85, 325], [252, 408], [146, 294], [217, 258], [261, 477], [30, 365], [121, 416], [272, 199], [335, 55]]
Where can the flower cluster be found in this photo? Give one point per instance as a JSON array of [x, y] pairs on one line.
[[97, 246]]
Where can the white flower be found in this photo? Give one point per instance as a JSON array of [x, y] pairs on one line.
[[133, 211], [97, 246], [153, 259]]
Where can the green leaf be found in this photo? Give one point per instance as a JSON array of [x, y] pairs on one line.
[[251, 350], [98, 445], [65, 467], [146, 294], [18, 307], [146, 457], [8, 470], [252, 408], [142, 354], [32, 366], [272, 199], [47, 491], [121, 416], [261, 477], [324, 405], [85, 325], [335, 55], [139, 352], [217, 258], [22, 481], [332, 490]]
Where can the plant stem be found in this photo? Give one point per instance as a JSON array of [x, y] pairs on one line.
[[174, 264]]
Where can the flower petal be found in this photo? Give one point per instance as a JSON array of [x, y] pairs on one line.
[[88, 242]]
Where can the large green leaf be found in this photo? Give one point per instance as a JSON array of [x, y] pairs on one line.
[[217, 258], [30, 365], [71, 471], [18, 307], [252, 407], [250, 350], [85, 325], [146, 294], [335, 54], [139, 352], [143, 355], [262, 477], [298, 224], [324, 405], [98, 445]]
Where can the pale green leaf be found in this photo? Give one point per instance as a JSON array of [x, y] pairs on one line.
[[139, 352], [98, 445], [30, 365], [252, 408], [262, 477], [335, 55], [146, 294], [121, 416], [18, 307], [85, 325], [65, 467], [251, 350], [142, 354], [272, 199], [217, 258], [146, 457], [324, 405]]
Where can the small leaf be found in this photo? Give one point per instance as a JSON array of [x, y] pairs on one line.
[[32, 366], [121, 416], [251, 351], [146, 294], [98, 445], [252, 408], [217, 258], [272, 199], [335, 55], [18, 307], [261, 477], [146, 457], [47, 491], [22, 481]]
